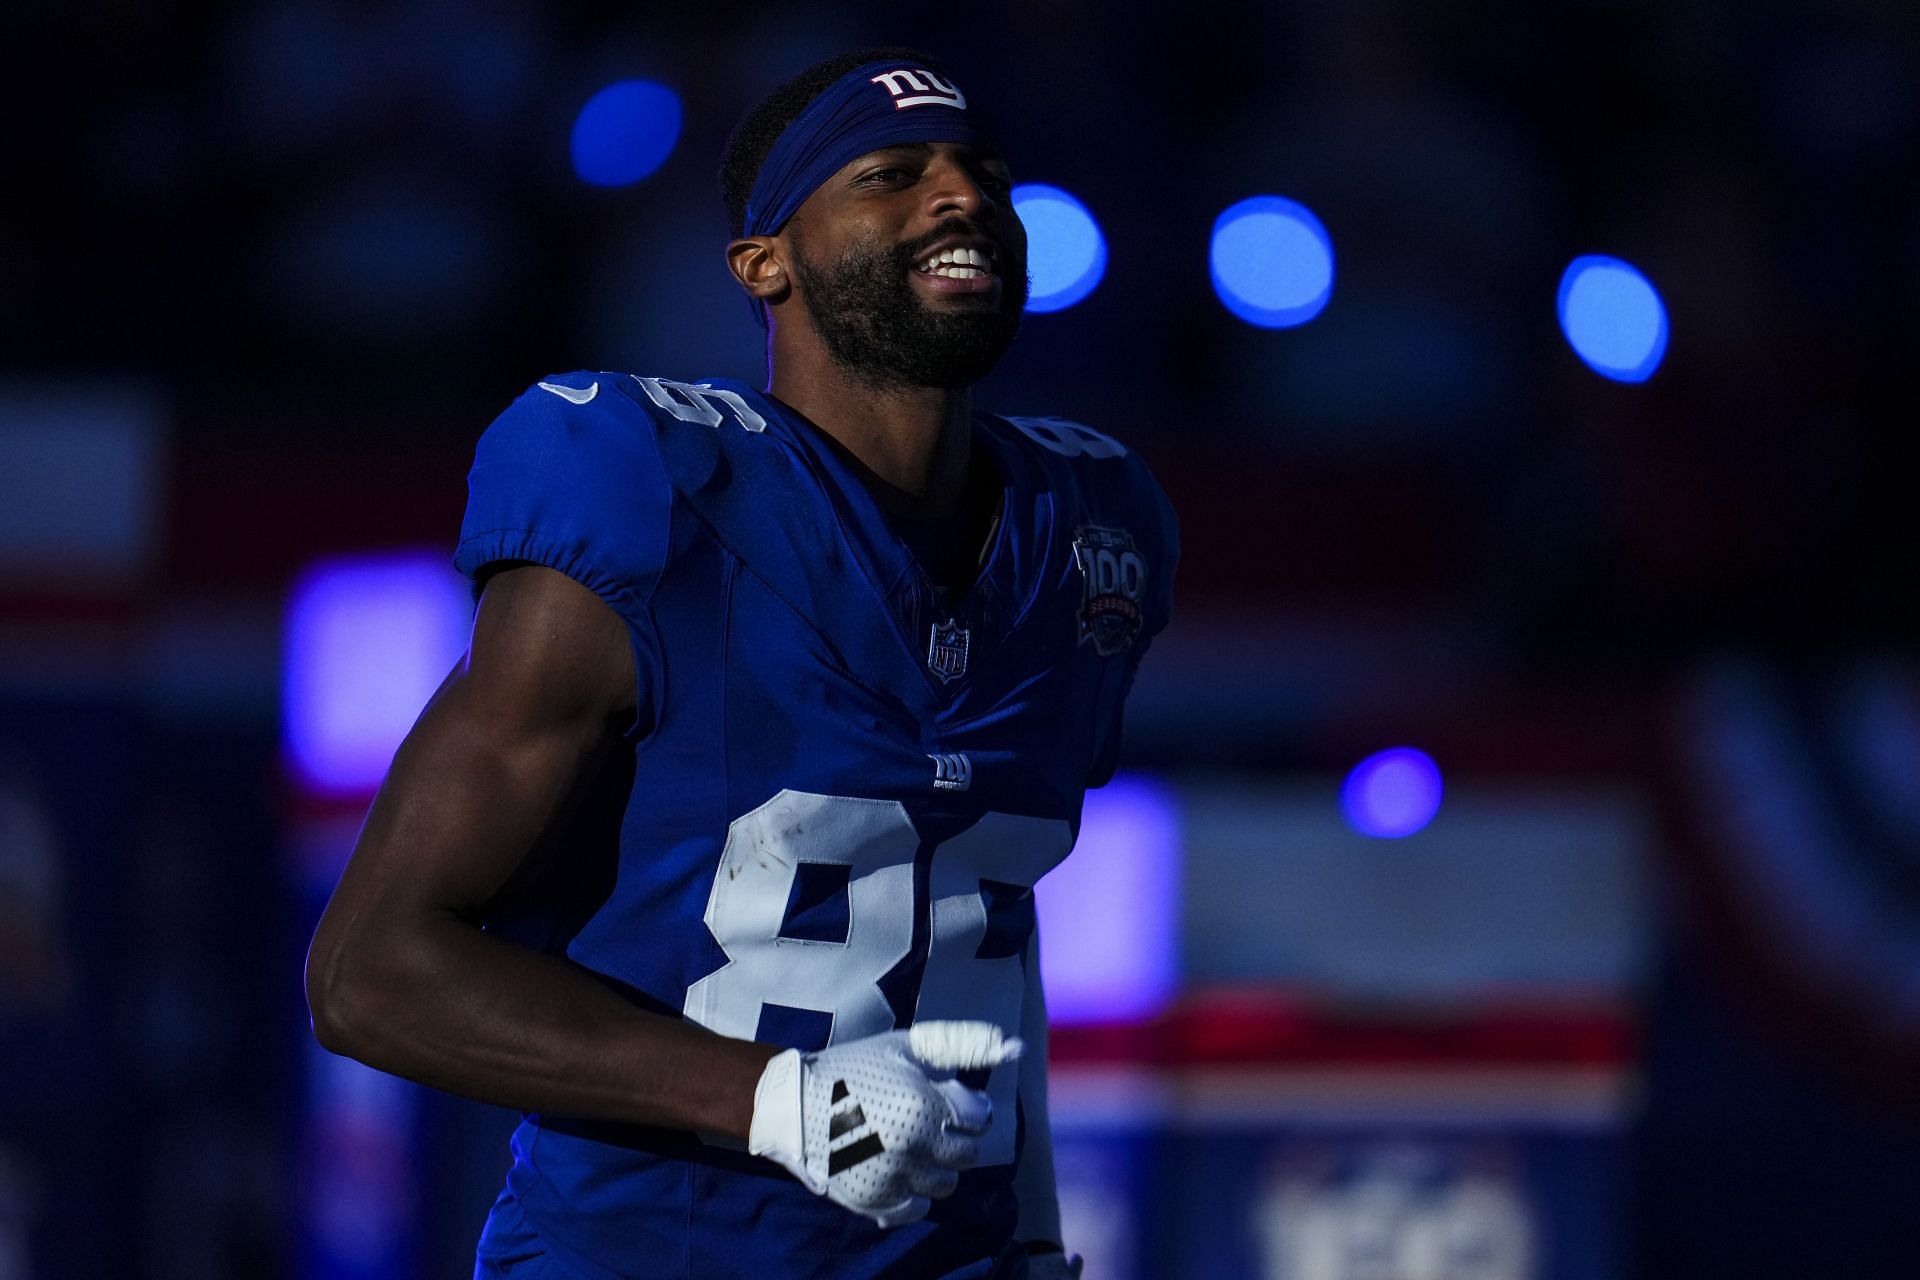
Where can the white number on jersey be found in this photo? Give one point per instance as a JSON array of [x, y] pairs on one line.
[[1013, 851], [692, 402], [1070, 438], [876, 841], [748, 905]]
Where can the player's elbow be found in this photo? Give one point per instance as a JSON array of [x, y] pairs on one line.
[[336, 1000], [368, 974]]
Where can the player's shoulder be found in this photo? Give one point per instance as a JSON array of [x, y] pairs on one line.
[[566, 417], [570, 475], [1091, 465], [1126, 536], [568, 404], [1073, 450], [596, 417]]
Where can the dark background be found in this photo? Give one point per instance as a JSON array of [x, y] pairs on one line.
[[317, 246]]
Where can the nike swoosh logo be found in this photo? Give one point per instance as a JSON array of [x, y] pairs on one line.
[[570, 393]]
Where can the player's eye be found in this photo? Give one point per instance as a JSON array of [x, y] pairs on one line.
[[889, 174]]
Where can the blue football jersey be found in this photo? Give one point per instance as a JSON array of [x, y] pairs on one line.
[[838, 792]]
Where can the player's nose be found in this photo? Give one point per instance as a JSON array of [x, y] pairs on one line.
[[952, 188]]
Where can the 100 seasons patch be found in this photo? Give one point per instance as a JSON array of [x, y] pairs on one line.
[[1114, 575]]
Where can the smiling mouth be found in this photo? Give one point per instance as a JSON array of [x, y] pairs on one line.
[[956, 264]]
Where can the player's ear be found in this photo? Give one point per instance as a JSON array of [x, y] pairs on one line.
[[758, 263]]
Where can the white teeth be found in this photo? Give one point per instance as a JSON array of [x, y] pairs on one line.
[[960, 264]]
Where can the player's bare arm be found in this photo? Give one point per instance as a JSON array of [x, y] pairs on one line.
[[400, 974]]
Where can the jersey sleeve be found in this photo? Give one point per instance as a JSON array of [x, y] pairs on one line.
[[1164, 527], [1116, 488], [579, 488], [1160, 542]]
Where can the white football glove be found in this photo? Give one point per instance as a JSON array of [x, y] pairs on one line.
[[1054, 1265], [880, 1125]]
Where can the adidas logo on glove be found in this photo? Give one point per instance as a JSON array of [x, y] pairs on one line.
[[811, 1115]]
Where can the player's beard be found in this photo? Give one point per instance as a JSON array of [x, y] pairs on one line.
[[877, 327]]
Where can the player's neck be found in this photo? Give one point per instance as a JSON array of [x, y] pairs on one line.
[[912, 443]]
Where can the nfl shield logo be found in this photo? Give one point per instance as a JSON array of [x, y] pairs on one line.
[[947, 653]]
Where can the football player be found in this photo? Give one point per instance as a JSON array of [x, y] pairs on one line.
[[715, 853]]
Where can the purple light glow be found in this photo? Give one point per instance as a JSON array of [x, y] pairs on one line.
[[1109, 941], [1392, 794], [368, 640]]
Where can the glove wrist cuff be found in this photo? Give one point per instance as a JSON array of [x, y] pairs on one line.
[[777, 1130]]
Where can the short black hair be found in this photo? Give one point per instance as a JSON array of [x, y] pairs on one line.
[[761, 127]]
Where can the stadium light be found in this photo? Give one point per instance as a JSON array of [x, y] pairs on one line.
[[625, 132], [1066, 254], [1271, 261], [1613, 318], [1393, 793], [367, 641], [1123, 883]]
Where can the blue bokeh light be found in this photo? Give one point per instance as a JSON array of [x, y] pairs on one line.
[[625, 132], [1066, 254], [1393, 793], [1271, 262], [1613, 318]]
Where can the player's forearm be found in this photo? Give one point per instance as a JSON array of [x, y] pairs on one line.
[[457, 1009], [402, 977]]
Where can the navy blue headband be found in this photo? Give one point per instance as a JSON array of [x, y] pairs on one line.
[[881, 104]]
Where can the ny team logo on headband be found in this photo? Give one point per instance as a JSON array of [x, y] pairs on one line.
[[920, 88], [847, 121]]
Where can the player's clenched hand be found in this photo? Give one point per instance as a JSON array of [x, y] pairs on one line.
[[880, 1125]]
